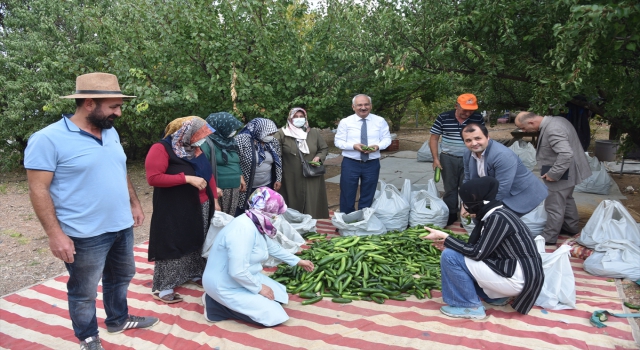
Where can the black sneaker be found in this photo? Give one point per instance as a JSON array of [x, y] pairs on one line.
[[133, 322], [91, 343]]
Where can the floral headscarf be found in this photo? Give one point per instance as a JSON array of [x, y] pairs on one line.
[[224, 123], [183, 132], [300, 134], [259, 128], [264, 204]]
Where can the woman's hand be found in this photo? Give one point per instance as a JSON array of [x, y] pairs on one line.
[[316, 159], [276, 186], [196, 182], [243, 185], [267, 292], [219, 190], [435, 235], [306, 264], [464, 213], [217, 205]]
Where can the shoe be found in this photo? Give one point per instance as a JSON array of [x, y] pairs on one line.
[[91, 343], [197, 282], [567, 233], [204, 303], [500, 301], [170, 298], [464, 312], [133, 322], [550, 243]]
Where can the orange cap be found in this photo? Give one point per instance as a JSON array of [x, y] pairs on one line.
[[468, 101]]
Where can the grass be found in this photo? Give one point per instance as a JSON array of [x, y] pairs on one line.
[[34, 263], [3, 189], [17, 235]]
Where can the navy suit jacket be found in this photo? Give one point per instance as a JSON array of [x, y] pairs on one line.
[[520, 190]]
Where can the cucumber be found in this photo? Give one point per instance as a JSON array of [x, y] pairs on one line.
[[631, 306], [307, 295], [341, 300], [436, 177], [312, 301]]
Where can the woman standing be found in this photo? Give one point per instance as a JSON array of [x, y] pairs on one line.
[[182, 205], [234, 283], [499, 264], [307, 195], [260, 158], [228, 174]]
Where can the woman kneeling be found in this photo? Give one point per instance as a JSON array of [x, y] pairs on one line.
[[499, 264], [235, 287]]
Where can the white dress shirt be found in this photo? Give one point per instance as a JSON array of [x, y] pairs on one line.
[[349, 131], [480, 163]]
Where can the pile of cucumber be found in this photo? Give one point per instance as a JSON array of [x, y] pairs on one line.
[[373, 268]]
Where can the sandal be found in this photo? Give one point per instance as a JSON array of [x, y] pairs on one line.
[[197, 282], [169, 298]]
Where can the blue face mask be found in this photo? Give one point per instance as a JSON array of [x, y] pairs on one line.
[[299, 122], [267, 139]]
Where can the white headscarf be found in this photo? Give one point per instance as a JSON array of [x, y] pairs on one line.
[[297, 133]]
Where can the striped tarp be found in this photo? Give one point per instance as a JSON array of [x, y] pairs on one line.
[[37, 318]]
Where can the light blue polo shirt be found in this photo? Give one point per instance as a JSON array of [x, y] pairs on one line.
[[89, 186]]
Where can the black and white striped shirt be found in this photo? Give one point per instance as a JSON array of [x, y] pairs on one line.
[[505, 241]]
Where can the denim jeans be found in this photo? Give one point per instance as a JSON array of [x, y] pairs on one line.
[[354, 172], [108, 256], [459, 288]]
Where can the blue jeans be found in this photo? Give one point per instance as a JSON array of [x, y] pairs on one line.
[[108, 256], [352, 173], [459, 288]]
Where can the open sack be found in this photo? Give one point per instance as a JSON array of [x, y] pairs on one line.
[[391, 207], [599, 182], [559, 288], [616, 259], [359, 223], [424, 153], [536, 220], [218, 222], [610, 221], [303, 223], [427, 208], [526, 152], [287, 237]]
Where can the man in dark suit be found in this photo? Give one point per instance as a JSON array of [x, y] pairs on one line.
[[564, 165], [520, 190]]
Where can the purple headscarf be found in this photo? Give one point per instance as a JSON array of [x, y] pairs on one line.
[[264, 204]]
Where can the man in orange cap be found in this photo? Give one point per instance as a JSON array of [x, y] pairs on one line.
[[449, 124]]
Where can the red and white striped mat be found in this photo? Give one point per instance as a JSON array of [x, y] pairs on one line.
[[38, 318]]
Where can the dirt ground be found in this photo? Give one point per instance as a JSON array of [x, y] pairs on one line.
[[25, 247]]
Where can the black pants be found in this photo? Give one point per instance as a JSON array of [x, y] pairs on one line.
[[452, 177], [218, 312]]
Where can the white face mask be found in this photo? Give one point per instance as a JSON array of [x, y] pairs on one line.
[[299, 122], [233, 134], [198, 143], [267, 139]]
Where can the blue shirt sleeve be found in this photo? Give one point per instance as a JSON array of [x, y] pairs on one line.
[[40, 153]]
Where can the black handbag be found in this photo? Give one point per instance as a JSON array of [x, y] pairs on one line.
[[309, 170]]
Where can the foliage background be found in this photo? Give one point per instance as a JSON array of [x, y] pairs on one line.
[[182, 58]]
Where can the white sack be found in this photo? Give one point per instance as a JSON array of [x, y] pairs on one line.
[[609, 221], [287, 237], [218, 222], [599, 182], [424, 153], [391, 208], [559, 288], [526, 152], [358, 223], [536, 219], [616, 259], [437, 212], [303, 223]]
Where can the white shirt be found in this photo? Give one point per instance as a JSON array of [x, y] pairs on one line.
[[480, 163], [349, 130]]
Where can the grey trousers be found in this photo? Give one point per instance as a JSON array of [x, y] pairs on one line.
[[452, 177], [562, 213]]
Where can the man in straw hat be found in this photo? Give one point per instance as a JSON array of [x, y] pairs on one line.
[[80, 191], [449, 124]]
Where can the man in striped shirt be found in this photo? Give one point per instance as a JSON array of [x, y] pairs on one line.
[[449, 124]]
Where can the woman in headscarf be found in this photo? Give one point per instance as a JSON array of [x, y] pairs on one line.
[[307, 195], [184, 199], [260, 158], [499, 264], [233, 281], [228, 174]]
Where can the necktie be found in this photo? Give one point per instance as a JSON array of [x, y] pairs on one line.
[[364, 140]]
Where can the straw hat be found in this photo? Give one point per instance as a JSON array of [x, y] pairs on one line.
[[97, 85]]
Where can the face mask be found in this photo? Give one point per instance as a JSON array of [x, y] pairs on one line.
[[267, 139], [299, 122], [198, 143], [232, 134]]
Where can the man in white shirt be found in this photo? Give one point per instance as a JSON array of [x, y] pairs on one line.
[[359, 165]]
